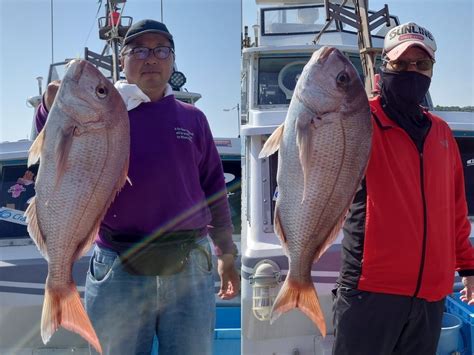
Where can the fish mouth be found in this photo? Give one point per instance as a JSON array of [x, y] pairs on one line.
[[75, 68], [326, 53], [76, 75]]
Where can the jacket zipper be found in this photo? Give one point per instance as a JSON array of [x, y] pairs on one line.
[[423, 251]]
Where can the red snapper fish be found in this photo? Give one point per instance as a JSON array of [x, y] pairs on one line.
[[84, 152], [323, 150]]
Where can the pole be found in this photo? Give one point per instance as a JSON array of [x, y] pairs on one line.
[[113, 43], [238, 120], [40, 85], [161, 11], [52, 31], [365, 45], [115, 60], [241, 27]]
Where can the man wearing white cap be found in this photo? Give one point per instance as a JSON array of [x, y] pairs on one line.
[[407, 231]]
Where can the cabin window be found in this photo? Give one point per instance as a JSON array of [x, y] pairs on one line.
[[16, 188], [277, 77], [248, 174], [233, 176], [269, 189], [244, 98], [466, 148], [294, 20]]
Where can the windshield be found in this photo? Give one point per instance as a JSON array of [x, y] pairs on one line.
[[294, 20], [312, 19], [277, 76]]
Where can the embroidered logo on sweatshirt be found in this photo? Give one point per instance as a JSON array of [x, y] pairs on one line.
[[183, 133], [444, 143]]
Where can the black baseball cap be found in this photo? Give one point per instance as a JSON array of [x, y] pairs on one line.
[[147, 26]]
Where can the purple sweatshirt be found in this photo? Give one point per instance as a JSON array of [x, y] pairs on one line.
[[176, 174]]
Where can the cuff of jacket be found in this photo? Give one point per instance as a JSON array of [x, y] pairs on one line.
[[223, 243], [41, 114]]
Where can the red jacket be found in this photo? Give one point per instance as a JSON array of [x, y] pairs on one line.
[[416, 225]]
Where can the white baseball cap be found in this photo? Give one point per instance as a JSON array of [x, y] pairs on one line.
[[405, 36]]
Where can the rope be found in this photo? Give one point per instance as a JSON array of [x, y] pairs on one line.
[[93, 23]]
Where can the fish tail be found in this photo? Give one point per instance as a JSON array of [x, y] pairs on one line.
[[65, 309], [302, 296]]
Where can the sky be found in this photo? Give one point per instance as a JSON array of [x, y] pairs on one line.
[[207, 38], [207, 51]]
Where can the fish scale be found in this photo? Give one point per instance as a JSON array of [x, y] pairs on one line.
[[323, 149], [310, 233]]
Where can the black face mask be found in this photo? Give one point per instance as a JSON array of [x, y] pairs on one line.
[[404, 89], [401, 95]]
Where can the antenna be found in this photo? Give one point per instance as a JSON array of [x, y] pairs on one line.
[[40, 81], [52, 31], [161, 11]]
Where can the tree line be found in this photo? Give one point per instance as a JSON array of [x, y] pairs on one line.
[[454, 108]]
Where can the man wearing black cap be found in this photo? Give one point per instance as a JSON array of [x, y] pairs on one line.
[[148, 57], [151, 270], [407, 230]]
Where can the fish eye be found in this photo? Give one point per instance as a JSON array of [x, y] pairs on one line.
[[343, 78], [101, 91]]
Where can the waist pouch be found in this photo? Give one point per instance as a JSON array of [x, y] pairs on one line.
[[162, 255]]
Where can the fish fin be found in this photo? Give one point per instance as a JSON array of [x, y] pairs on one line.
[[65, 309], [278, 226], [36, 148], [63, 148], [303, 141], [332, 237], [33, 228], [129, 181], [273, 142], [302, 296], [86, 244]]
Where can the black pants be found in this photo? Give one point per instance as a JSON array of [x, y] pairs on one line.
[[368, 323]]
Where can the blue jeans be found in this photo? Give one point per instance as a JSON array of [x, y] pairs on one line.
[[127, 311]]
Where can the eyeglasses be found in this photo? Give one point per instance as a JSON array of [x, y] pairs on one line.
[[161, 52], [402, 65]]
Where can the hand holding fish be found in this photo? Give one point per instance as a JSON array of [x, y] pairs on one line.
[[467, 293], [50, 93]]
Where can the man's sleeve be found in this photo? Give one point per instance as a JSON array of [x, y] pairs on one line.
[[41, 116], [213, 185]]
